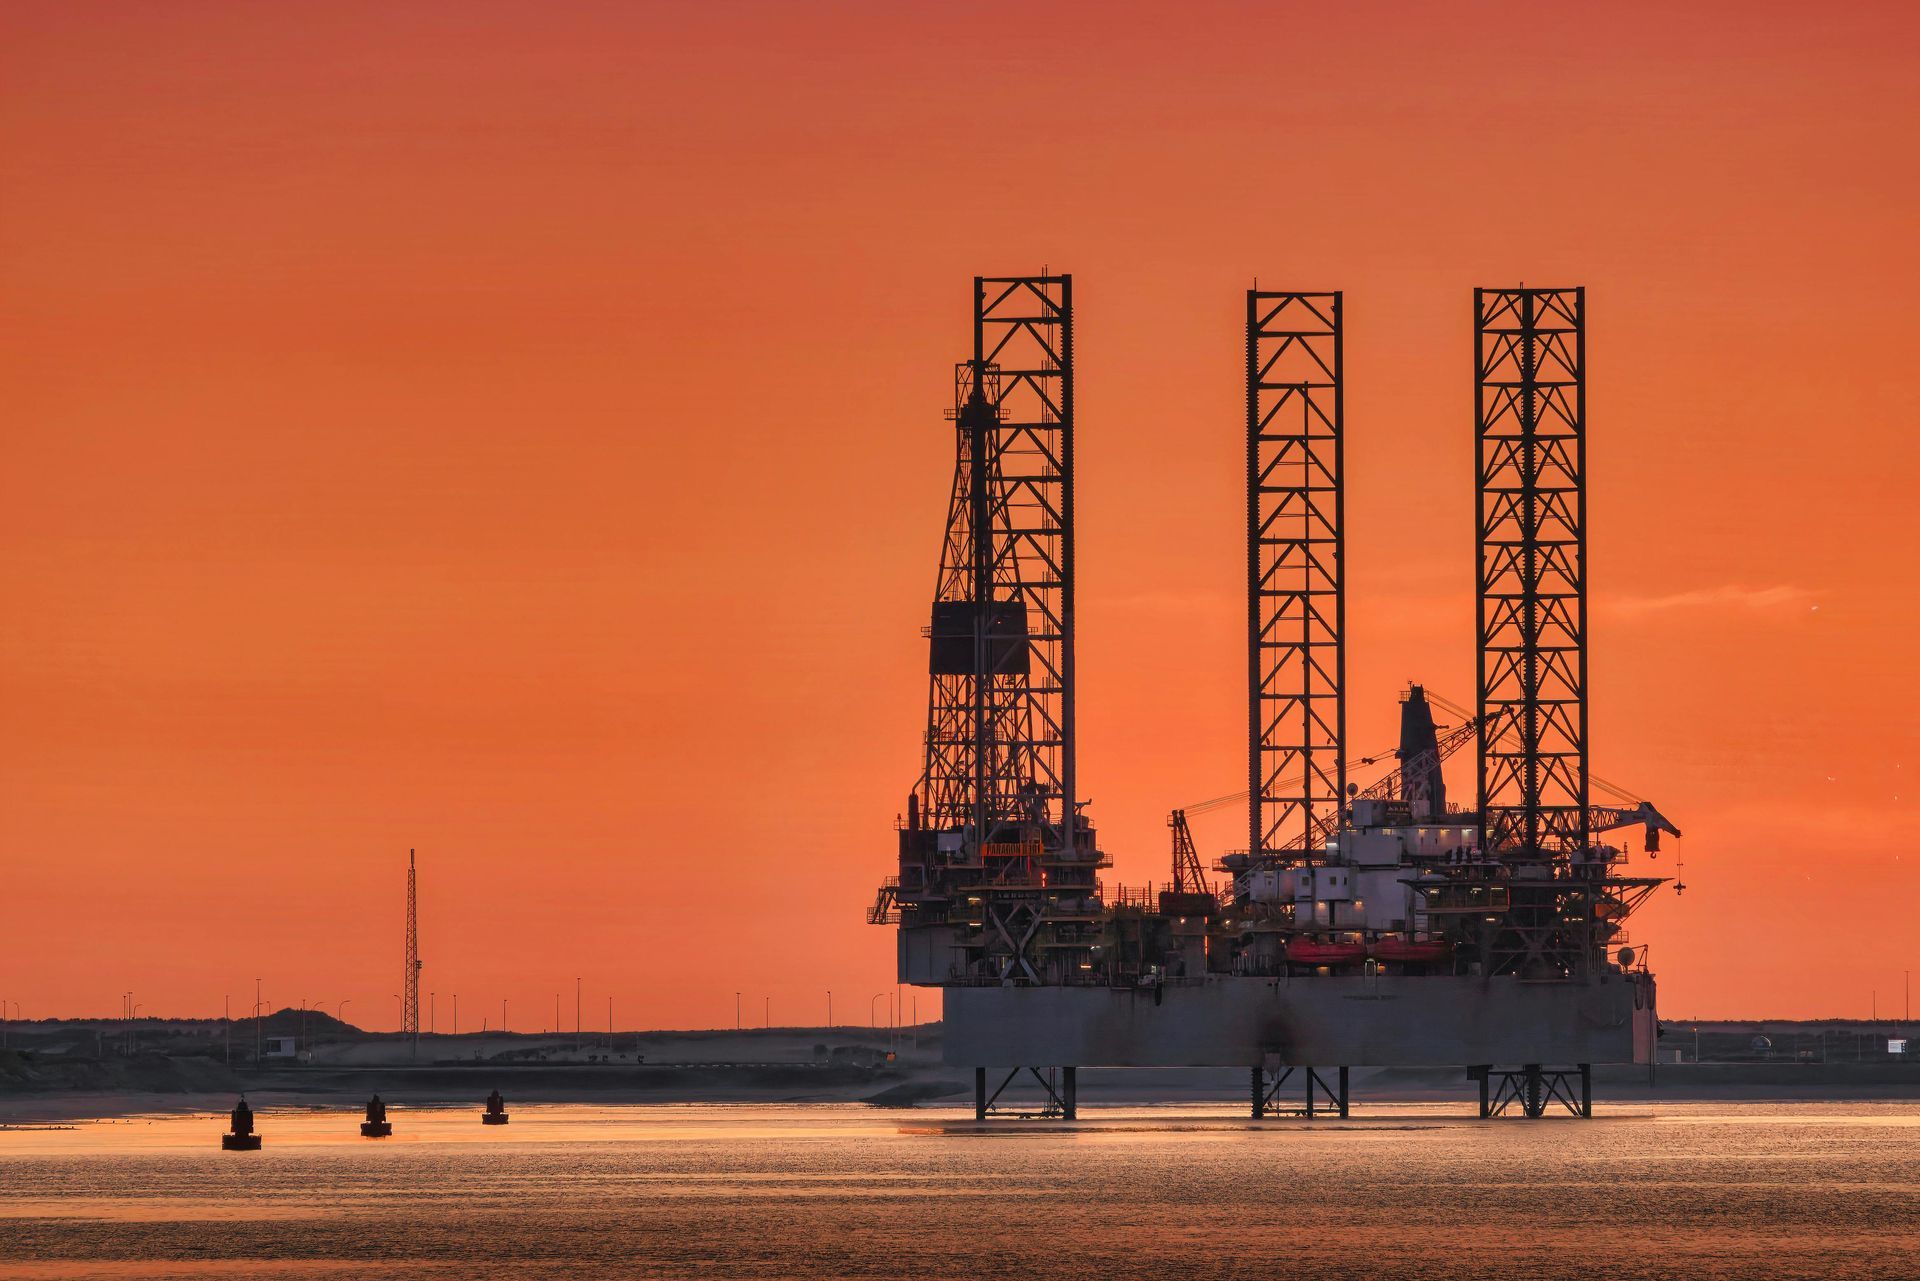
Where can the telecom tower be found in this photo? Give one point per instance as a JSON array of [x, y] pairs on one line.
[[410, 982]]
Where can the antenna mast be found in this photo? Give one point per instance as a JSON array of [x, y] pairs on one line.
[[410, 982]]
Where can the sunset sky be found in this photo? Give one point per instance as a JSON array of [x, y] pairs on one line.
[[514, 431]]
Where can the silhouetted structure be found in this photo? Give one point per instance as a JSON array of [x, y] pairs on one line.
[[240, 1137], [1383, 926], [1530, 457], [496, 1113], [1296, 570], [410, 980], [376, 1126], [1422, 782], [995, 847]]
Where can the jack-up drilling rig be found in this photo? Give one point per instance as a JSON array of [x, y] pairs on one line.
[[1381, 925]]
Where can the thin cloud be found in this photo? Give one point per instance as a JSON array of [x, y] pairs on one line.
[[1729, 597]]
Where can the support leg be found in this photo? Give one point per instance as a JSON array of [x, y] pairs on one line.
[[1486, 1103], [1586, 1090], [1343, 1093], [1259, 1092], [980, 1094], [1069, 1094]]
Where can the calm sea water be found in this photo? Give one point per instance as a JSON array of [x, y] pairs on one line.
[[1678, 1190]]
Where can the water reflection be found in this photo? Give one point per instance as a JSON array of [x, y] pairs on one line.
[[842, 1191]]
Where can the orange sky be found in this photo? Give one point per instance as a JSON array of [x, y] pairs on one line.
[[514, 430]]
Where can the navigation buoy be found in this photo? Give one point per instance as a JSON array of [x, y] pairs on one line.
[[496, 1113], [242, 1138], [376, 1126]]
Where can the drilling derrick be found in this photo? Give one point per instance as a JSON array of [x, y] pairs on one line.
[[1296, 601], [997, 867]]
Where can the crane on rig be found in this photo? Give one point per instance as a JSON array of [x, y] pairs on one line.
[[1416, 778], [1189, 876], [1606, 818]]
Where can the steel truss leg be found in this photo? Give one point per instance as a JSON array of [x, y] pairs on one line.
[[1534, 1088], [1062, 1087], [1320, 1096]]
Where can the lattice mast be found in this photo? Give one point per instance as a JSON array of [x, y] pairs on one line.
[[1296, 557], [1000, 740], [996, 862], [1530, 458], [410, 981]]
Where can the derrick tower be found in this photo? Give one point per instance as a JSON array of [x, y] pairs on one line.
[[410, 981], [1296, 575], [995, 854]]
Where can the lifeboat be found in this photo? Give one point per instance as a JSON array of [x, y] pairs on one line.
[[1302, 951], [1411, 950]]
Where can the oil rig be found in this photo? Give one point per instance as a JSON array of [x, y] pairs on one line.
[[1364, 925]]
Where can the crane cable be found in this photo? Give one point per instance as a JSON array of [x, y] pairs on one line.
[[1507, 736]]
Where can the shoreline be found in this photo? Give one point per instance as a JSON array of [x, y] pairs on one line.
[[902, 1092]]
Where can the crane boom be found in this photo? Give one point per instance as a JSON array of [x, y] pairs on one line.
[[1605, 819], [1188, 876]]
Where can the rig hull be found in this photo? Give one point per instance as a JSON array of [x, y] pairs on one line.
[[1231, 1021]]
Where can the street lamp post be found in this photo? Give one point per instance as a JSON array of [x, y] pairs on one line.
[[873, 1010]]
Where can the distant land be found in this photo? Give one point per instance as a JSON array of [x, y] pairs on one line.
[[51, 1068]]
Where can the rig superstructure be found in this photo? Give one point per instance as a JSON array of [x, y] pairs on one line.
[[1376, 926]]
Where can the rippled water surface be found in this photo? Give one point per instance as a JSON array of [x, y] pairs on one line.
[[1686, 1190]]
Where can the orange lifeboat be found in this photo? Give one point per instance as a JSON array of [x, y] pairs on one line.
[[1411, 950], [1304, 951]]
